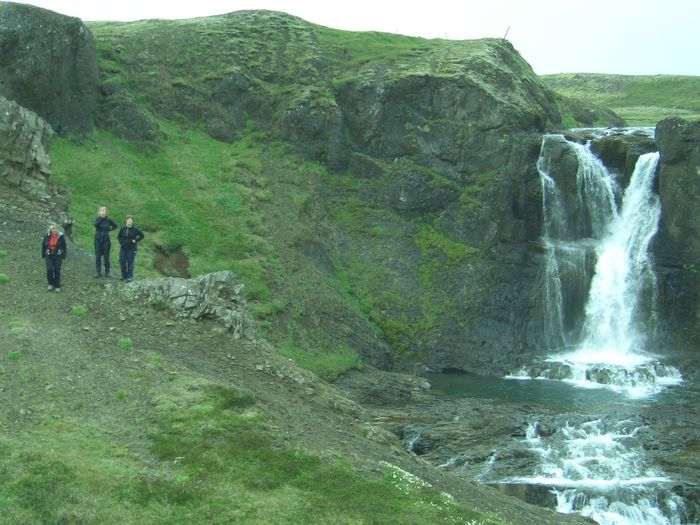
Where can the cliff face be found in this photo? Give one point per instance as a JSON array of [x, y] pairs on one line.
[[677, 246], [48, 64]]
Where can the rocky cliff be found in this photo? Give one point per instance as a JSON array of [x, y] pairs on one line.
[[48, 64], [677, 246], [25, 164]]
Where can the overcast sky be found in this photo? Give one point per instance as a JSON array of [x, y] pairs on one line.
[[634, 37]]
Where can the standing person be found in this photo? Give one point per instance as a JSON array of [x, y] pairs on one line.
[[128, 237], [53, 251], [103, 225]]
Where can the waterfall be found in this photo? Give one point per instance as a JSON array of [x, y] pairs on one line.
[[624, 271], [598, 295], [599, 288], [569, 247]]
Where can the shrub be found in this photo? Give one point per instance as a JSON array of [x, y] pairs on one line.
[[4, 278], [79, 311], [159, 305], [125, 343]]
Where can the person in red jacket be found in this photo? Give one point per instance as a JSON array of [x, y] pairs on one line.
[[54, 251]]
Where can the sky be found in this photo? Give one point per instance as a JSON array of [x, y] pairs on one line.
[[630, 37]]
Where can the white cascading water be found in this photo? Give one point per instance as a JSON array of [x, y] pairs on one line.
[[598, 469], [606, 341], [598, 297]]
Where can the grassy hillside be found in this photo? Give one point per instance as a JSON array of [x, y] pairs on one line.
[[113, 413], [640, 100], [207, 206], [204, 128]]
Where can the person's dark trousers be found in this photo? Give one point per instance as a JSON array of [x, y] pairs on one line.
[[126, 261], [53, 270], [102, 247]]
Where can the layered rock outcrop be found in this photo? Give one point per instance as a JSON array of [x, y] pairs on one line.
[[25, 164], [48, 64], [25, 142], [217, 296]]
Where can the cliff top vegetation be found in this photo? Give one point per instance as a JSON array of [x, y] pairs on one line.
[[640, 100]]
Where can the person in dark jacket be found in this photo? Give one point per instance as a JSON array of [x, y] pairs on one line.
[[129, 236], [103, 225], [54, 251]]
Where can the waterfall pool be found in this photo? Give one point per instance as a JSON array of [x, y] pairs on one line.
[[541, 391]]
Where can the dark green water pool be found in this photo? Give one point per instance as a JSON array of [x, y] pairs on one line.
[[543, 392]]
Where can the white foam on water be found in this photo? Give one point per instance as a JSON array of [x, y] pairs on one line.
[[599, 470]]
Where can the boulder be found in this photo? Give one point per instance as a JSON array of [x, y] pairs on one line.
[[620, 152], [48, 64], [316, 124], [378, 388], [217, 296]]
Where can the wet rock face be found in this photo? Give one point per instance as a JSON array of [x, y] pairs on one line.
[[48, 64], [677, 245], [618, 149]]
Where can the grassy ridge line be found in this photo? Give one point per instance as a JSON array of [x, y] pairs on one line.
[[640, 100]]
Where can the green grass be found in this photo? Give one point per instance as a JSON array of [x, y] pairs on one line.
[[125, 343], [328, 364], [15, 355], [3, 253], [212, 460], [4, 278], [640, 100], [350, 50], [221, 441], [434, 244], [190, 194], [79, 311], [19, 327]]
